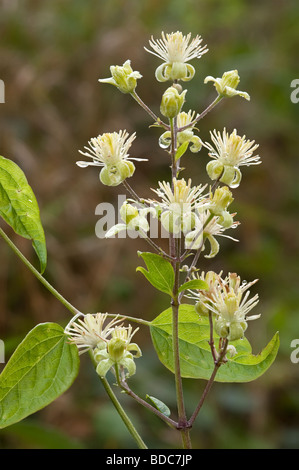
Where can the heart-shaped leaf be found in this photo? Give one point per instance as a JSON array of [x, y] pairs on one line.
[[43, 366], [19, 208], [195, 355]]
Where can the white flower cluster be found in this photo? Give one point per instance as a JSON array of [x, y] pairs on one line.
[[110, 344]]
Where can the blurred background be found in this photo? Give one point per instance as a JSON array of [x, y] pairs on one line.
[[51, 57]]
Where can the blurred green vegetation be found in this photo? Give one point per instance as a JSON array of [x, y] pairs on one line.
[[51, 56]]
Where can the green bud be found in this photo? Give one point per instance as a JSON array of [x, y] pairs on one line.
[[116, 349], [221, 199], [201, 309], [172, 102], [128, 212], [123, 77], [236, 331], [222, 328], [226, 86]]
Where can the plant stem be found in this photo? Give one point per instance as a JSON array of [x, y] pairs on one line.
[[125, 387], [39, 276], [148, 110], [130, 426], [182, 420], [141, 321], [175, 252], [210, 382], [202, 115]]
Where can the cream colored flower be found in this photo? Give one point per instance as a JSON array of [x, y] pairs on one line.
[[231, 304], [228, 299], [110, 150], [206, 229], [175, 50], [187, 135], [123, 77], [134, 219], [230, 151], [178, 204], [227, 85], [119, 352], [90, 332]]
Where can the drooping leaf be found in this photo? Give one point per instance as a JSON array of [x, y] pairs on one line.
[[160, 272], [159, 405], [195, 355], [19, 208], [194, 284], [42, 368], [181, 150]]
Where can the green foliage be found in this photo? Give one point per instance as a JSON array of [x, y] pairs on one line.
[[181, 150], [194, 284], [19, 208], [160, 272], [159, 405], [195, 353], [42, 367]]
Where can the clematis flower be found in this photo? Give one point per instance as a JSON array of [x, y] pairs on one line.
[[187, 135], [206, 229], [231, 306], [212, 280], [230, 151], [110, 150], [178, 204], [176, 50], [90, 332], [123, 77], [227, 85], [119, 352], [134, 219]]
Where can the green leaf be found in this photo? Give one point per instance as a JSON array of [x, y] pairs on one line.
[[194, 284], [159, 405], [19, 208], [181, 150], [43, 366], [160, 272], [195, 355]]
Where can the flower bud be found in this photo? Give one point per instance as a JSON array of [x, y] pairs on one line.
[[116, 349], [221, 199], [172, 102], [222, 328], [128, 212], [231, 350], [227, 85], [201, 309], [236, 330], [123, 77]]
